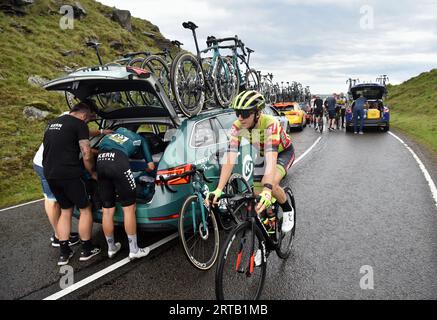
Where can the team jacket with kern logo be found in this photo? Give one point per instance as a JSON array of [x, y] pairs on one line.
[[268, 136], [127, 142]]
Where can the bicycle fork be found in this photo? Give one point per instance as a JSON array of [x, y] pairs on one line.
[[203, 228]]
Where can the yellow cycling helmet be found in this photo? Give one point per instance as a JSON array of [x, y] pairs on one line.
[[249, 100]]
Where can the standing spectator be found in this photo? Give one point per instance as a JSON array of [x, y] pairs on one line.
[[358, 110], [65, 139], [51, 205], [115, 176], [341, 101], [318, 111], [330, 104]]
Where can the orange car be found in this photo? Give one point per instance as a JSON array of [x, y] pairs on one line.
[[294, 113]]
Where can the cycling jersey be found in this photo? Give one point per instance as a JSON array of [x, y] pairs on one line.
[[127, 142], [267, 136]]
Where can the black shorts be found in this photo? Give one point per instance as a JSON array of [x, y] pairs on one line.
[[318, 112], [332, 114], [285, 160], [70, 192], [115, 177]]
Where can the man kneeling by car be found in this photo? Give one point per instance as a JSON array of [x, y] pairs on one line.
[[115, 175]]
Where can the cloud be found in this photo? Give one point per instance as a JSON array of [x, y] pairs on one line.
[[319, 43]]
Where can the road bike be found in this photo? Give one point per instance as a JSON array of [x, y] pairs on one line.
[[242, 263], [198, 224], [193, 79], [112, 100]]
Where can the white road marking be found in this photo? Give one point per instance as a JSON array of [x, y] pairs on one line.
[[308, 151], [20, 205], [422, 167], [105, 271]]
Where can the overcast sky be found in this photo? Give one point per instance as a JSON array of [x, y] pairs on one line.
[[320, 43]]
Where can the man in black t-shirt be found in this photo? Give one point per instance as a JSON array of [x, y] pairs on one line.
[[65, 139]]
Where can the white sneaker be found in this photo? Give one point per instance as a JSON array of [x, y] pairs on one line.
[[288, 221], [113, 253], [142, 252], [258, 258]]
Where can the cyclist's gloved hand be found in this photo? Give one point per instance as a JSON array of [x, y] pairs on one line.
[[265, 200], [213, 196]]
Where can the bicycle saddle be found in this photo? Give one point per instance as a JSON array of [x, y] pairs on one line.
[[177, 43], [249, 50], [133, 54], [92, 44], [189, 25]]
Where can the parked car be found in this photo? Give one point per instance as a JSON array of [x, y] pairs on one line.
[[378, 114], [176, 142], [269, 109], [294, 113]]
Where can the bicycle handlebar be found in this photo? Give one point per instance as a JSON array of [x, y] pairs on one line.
[[164, 181]]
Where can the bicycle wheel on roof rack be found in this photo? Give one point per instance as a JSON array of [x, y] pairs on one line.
[[226, 82], [252, 80], [112, 100], [136, 98], [188, 84], [158, 66]]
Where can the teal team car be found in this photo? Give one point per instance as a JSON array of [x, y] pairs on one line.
[[176, 142]]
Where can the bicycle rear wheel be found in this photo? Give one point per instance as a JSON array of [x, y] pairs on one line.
[[285, 240], [188, 83], [237, 277], [201, 243]]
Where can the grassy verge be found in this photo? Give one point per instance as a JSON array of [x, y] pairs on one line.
[[34, 45], [413, 106]]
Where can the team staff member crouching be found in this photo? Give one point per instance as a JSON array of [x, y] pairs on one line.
[[64, 139], [115, 175]]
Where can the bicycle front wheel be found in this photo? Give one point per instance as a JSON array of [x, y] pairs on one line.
[[285, 240], [201, 241], [238, 275], [230, 214], [188, 83], [158, 66], [226, 83]]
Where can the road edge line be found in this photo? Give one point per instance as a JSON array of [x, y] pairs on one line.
[[105, 271], [422, 167], [307, 151], [20, 205]]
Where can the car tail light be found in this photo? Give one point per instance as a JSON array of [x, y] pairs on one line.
[[386, 110], [173, 216], [173, 171], [294, 113]]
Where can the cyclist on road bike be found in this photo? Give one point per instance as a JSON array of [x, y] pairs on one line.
[[266, 134]]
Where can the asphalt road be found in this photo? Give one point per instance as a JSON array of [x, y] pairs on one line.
[[361, 201]]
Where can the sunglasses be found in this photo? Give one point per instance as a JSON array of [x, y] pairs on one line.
[[243, 113]]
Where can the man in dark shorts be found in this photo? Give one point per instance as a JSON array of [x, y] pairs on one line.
[[318, 111], [65, 139], [330, 104], [115, 176]]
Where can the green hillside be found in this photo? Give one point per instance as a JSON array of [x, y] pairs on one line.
[[34, 44], [413, 106]]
